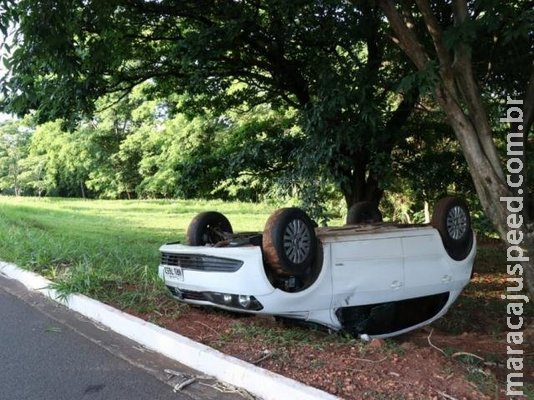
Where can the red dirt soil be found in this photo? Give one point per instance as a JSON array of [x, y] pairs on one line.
[[408, 367], [425, 364]]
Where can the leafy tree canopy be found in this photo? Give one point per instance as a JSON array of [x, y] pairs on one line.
[[326, 59], [73, 52]]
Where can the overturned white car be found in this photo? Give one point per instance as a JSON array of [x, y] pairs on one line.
[[367, 277]]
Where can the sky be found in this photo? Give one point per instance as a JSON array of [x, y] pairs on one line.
[[4, 117]]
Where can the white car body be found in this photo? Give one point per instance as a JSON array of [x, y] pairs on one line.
[[362, 265]]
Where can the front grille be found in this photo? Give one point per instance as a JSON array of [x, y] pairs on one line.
[[200, 263]]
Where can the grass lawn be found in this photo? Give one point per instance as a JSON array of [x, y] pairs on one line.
[[92, 246]]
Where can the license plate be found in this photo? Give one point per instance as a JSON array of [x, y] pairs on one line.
[[174, 273]]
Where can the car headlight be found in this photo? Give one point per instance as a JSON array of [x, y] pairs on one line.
[[243, 302], [227, 299]]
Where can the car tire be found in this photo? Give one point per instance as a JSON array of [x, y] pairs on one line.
[[289, 242], [451, 219], [208, 227], [363, 212]]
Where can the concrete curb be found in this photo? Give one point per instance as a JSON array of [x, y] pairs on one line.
[[258, 381]]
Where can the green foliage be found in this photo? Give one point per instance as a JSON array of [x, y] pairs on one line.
[[325, 59], [145, 149], [424, 81], [63, 158], [431, 161], [14, 172], [257, 150], [501, 42]]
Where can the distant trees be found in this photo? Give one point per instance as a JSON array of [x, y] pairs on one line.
[[145, 149], [14, 171]]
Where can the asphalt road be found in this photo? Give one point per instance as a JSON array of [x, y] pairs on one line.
[[50, 353]]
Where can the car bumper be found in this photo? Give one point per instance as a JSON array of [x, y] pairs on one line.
[[229, 290]]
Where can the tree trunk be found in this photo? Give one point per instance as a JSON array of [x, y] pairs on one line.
[[489, 186], [427, 212], [362, 183], [490, 189], [358, 188], [458, 95]]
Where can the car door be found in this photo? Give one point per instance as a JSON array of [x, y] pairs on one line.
[[427, 268], [367, 271]]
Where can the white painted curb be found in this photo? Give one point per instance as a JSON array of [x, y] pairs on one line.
[[258, 381]]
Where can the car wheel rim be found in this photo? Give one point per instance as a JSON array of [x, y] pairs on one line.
[[456, 222], [297, 241]]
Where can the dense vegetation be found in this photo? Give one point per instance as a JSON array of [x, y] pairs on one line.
[[140, 150], [307, 100], [143, 150]]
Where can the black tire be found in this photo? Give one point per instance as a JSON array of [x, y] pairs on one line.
[[451, 219], [363, 212], [208, 227], [289, 242]]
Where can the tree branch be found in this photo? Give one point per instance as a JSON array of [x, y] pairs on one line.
[[436, 34], [402, 113], [470, 92], [406, 38]]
